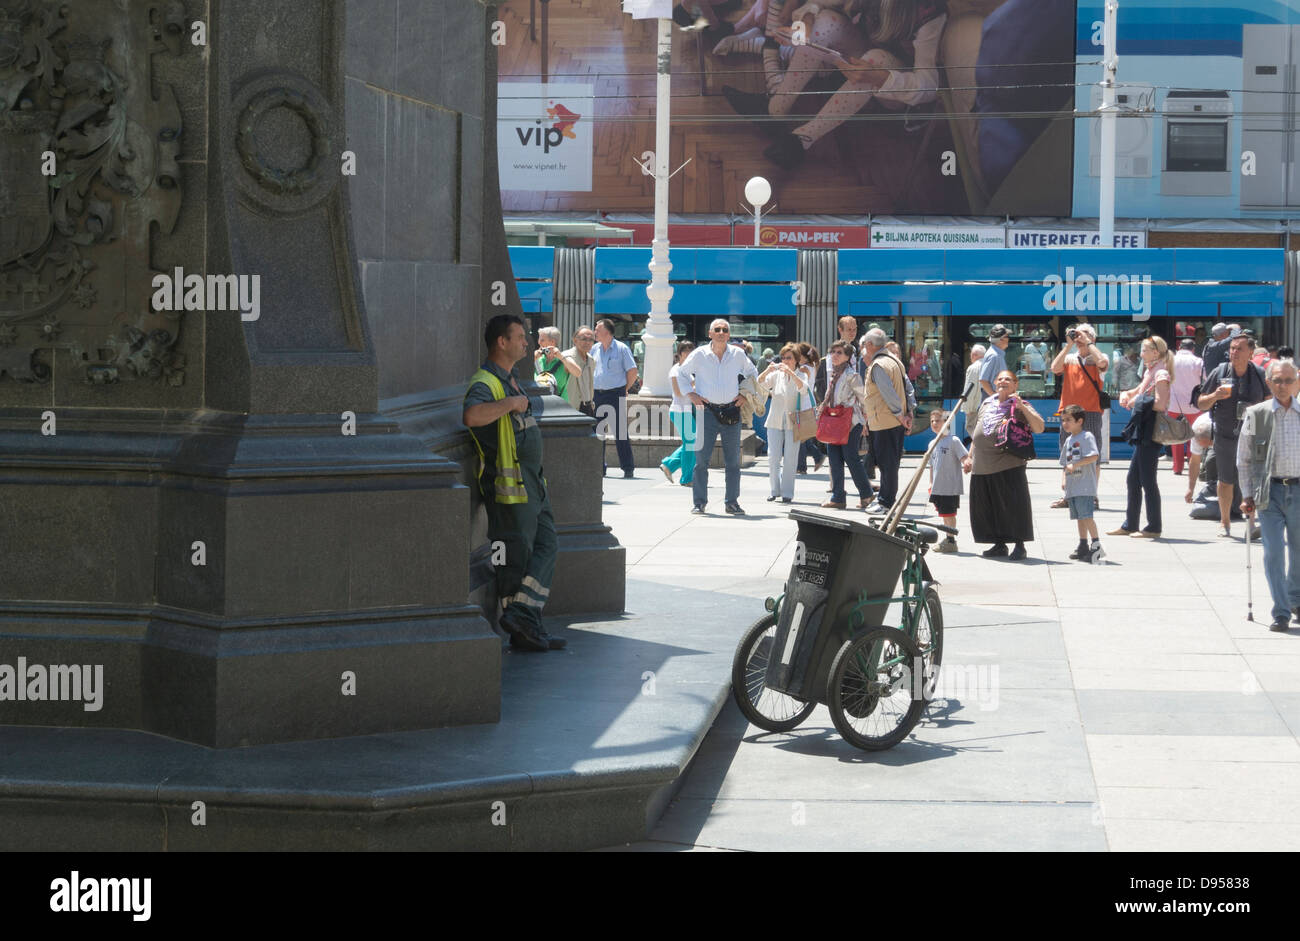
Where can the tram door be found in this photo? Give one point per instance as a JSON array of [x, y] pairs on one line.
[[921, 330]]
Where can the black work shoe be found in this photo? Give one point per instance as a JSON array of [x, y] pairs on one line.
[[698, 509], [1018, 554], [522, 634], [628, 475], [1280, 625], [553, 642], [997, 550], [735, 510], [786, 152]]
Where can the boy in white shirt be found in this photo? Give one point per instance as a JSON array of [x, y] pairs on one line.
[[1078, 452], [945, 478]]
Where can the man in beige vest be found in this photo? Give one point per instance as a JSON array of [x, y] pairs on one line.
[[886, 414]]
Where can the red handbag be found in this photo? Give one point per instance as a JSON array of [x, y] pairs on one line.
[[834, 424]]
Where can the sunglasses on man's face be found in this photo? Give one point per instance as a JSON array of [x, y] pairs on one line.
[[721, 330]]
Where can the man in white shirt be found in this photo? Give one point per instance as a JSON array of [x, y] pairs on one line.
[[1268, 467], [1188, 368], [615, 374], [971, 407], [711, 378]]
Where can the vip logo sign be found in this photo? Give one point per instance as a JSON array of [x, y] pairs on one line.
[[1129, 293], [545, 136]]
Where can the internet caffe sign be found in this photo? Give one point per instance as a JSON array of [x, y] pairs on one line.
[[937, 236]]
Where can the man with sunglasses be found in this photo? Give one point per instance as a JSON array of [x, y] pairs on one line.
[[711, 378], [1268, 468]]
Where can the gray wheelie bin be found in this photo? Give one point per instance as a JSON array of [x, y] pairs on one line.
[[841, 558]]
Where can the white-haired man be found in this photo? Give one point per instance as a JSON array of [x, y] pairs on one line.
[[885, 408], [711, 377], [549, 368], [1268, 467], [1081, 365]]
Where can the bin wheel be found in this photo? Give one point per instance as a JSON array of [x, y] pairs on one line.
[[873, 699], [929, 638], [766, 708]]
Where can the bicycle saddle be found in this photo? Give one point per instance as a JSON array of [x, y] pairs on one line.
[[928, 536]]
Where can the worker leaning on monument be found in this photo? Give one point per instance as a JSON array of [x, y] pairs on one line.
[[511, 483]]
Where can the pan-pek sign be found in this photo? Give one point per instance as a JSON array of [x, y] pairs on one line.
[[545, 135]]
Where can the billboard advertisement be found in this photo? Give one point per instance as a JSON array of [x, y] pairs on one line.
[[544, 136], [1209, 123], [962, 107]]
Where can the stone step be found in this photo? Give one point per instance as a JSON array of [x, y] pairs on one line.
[[590, 748]]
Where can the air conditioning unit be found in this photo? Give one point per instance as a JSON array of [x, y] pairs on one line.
[[1134, 131]]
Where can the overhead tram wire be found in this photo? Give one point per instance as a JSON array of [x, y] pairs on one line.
[[730, 72]]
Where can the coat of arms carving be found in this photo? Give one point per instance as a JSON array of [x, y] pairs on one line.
[[89, 144]]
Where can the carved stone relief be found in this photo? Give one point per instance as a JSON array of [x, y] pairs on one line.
[[88, 162]]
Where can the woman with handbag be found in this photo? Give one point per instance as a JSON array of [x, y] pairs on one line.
[[811, 448], [1000, 511], [1148, 399], [839, 426], [790, 406]]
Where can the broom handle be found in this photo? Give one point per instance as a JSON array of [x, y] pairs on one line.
[[895, 514]]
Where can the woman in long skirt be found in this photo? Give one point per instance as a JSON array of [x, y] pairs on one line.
[[1000, 511]]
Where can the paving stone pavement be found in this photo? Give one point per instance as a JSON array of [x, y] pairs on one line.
[[1125, 706]]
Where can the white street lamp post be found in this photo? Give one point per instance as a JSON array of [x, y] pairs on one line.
[[1106, 208], [658, 336], [757, 192]]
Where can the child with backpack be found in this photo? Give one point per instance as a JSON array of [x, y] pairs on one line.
[[1078, 453], [945, 478]]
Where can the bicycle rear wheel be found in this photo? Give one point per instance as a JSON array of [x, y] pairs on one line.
[[766, 708], [873, 698]]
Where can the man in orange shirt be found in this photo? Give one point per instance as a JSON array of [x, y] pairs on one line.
[[1080, 365]]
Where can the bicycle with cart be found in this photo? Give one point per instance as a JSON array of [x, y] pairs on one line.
[[824, 640]]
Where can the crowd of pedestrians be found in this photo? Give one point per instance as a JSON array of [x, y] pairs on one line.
[[1227, 412]]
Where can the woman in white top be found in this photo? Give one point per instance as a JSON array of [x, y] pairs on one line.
[[682, 414], [789, 385], [1148, 397]]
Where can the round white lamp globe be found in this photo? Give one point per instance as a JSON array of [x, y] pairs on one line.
[[758, 191]]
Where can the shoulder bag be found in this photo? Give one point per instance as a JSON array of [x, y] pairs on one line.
[[1171, 430], [834, 422], [804, 420], [1012, 436]]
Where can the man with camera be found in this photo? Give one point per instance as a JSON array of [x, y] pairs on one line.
[[1081, 365], [1227, 392]]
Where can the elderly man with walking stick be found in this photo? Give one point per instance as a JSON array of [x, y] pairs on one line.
[[1268, 465]]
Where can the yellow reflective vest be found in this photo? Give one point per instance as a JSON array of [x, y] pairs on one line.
[[510, 478]]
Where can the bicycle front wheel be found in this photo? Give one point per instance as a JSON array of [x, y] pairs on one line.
[[874, 699], [766, 708], [928, 632]]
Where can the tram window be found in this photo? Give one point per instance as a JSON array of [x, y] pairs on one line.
[[1029, 355], [922, 349]]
